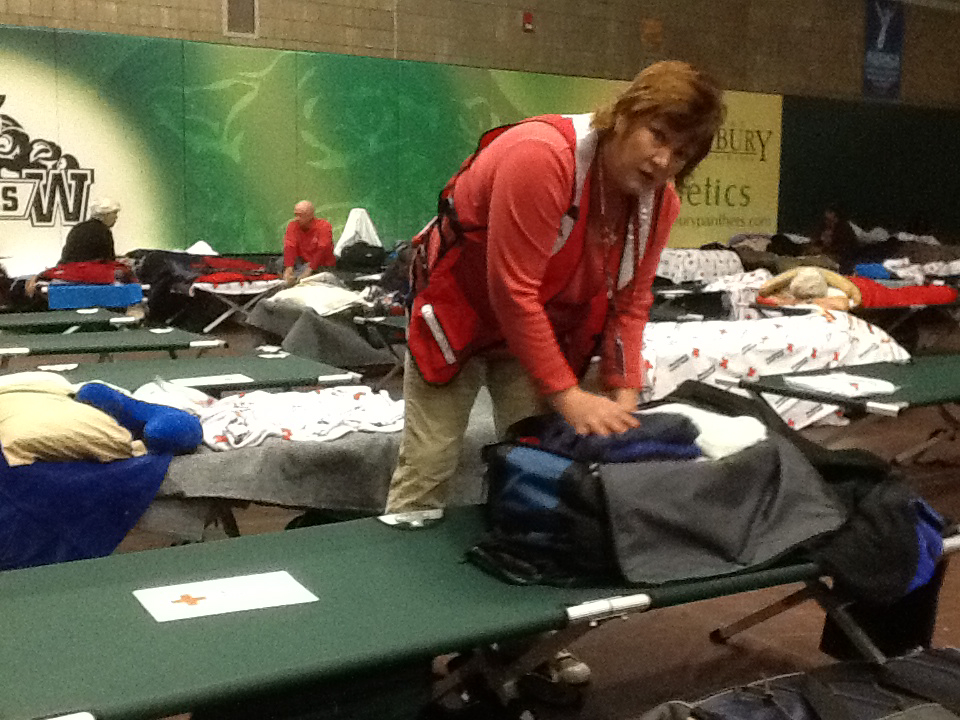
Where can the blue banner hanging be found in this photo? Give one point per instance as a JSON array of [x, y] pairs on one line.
[[883, 49]]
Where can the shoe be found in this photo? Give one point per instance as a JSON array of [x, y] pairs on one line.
[[560, 682], [570, 669]]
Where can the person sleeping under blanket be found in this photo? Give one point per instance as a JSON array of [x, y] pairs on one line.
[[831, 291]]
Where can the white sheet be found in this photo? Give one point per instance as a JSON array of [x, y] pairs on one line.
[[684, 265], [323, 298], [252, 287], [722, 352]]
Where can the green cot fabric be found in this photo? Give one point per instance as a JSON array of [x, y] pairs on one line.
[[60, 320], [106, 341], [924, 380], [263, 372], [76, 639]]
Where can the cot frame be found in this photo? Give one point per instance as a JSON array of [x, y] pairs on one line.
[[33, 600], [64, 321], [103, 344], [935, 391]]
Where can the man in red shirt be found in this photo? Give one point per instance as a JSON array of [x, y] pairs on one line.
[[308, 239]]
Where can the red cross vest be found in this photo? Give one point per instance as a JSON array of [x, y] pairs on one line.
[[450, 316]]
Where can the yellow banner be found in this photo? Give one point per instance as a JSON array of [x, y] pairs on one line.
[[735, 189]]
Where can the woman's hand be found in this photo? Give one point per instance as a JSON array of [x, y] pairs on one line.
[[627, 398], [591, 414]]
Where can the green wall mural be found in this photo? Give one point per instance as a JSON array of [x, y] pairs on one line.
[[216, 143]]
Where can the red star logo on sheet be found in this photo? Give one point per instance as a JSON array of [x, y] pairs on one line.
[[220, 438], [723, 363], [813, 355], [751, 372], [791, 423], [647, 365], [856, 386], [357, 396], [696, 352], [836, 356], [188, 600], [789, 347], [287, 434]]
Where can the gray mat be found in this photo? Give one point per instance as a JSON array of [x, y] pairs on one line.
[[333, 339], [350, 473]]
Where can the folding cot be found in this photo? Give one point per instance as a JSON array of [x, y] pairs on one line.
[[213, 375], [65, 321], [238, 297], [930, 380], [103, 343], [385, 599]]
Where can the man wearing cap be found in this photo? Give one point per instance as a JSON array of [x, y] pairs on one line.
[[92, 239], [308, 239]]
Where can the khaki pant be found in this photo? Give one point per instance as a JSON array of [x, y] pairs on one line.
[[436, 419]]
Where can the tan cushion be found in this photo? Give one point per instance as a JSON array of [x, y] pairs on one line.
[[42, 421]]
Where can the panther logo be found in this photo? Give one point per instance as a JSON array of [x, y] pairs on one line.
[[38, 181]]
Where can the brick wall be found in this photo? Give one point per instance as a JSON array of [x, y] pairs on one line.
[[800, 47]]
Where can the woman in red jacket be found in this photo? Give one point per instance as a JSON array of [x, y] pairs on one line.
[[544, 254]]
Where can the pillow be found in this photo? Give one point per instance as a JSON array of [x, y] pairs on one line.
[[43, 422], [164, 429], [31, 377]]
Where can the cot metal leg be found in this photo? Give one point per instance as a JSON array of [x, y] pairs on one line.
[[233, 308], [499, 672], [831, 605], [220, 318], [222, 512], [722, 634], [944, 434]]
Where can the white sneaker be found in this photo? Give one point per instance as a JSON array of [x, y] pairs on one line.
[[570, 669]]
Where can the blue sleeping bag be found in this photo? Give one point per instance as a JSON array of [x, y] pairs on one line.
[[53, 512]]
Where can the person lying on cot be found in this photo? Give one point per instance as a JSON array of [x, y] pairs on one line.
[[307, 243], [834, 237]]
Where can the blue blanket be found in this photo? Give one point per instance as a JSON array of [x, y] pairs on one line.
[[53, 512]]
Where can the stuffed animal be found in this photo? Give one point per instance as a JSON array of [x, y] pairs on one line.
[[164, 430]]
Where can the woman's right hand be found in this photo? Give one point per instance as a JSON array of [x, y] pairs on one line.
[[591, 414]]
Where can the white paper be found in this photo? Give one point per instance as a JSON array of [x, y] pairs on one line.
[[228, 379], [225, 595], [842, 383]]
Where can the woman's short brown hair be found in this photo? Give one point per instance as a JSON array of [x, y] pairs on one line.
[[688, 100]]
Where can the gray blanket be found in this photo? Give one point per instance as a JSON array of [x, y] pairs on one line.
[[681, 520], [333, 339], [349, 473]]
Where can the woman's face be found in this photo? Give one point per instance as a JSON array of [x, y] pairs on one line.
[[645, 155]]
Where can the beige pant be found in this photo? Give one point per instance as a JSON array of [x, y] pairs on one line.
[[435, 421]]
